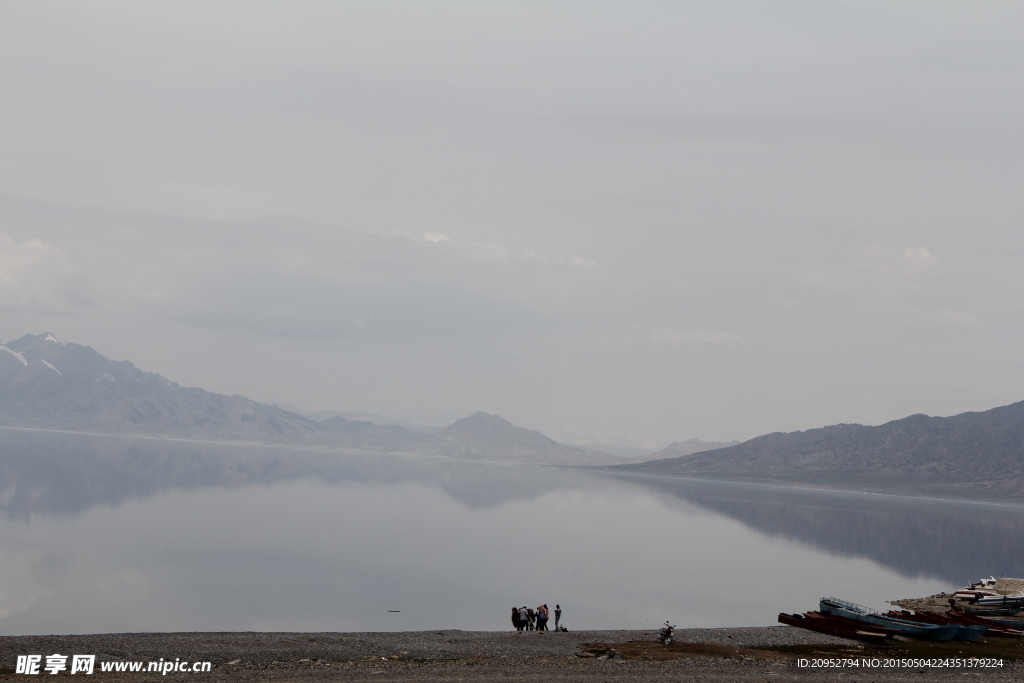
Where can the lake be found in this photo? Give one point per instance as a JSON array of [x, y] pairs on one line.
[[110, 534]]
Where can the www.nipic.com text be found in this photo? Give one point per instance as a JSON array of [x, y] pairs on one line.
[[86, 664]]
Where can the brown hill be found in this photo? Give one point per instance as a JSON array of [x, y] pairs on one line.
[[981, 451]]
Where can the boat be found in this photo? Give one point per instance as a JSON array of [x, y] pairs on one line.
[[1004, 622], [993, 592], [982, 587], [993, 611], [911, 629], [851, 623], [968, 632], [1006, 600], [996, 628], [833, 628]]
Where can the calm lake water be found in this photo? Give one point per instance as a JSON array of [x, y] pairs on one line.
[[106, 534]]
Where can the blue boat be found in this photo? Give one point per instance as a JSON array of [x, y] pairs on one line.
[[911, 629], [969, 633], [1008, 623]]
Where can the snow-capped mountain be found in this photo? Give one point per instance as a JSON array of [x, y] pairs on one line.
[[48, 383]]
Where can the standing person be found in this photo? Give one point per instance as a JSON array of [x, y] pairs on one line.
[[558, 615], [515, 619], [531, 617], [524, 618], [542, 618]]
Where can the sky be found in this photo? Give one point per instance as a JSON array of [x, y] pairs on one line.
[[622, 222]]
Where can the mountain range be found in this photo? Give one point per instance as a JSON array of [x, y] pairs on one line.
[[979, 454], [47, 383], [689, 447]]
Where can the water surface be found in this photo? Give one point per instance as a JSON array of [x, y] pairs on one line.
[[108, 534]]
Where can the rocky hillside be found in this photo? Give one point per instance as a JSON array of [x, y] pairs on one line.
[[980, 451], [48, 383]]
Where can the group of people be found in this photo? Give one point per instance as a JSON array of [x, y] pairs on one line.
[[529, 619]]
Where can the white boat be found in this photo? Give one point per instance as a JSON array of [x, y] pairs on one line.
[[1014, 598], [985, 588]]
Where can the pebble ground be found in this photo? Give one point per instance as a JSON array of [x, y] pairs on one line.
[[469, 656]]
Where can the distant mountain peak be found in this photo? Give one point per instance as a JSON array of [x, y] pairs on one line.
[[51, 384], [689, 447], [481, 419]]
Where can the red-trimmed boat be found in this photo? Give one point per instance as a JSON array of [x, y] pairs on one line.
[[969, 633], [996, 628], [832, 628]]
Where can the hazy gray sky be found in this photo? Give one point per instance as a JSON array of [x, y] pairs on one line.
[[618, 221]]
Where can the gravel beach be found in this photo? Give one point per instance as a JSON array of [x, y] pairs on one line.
[[730, 654]]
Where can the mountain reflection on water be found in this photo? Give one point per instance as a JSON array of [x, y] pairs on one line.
[[956, 541], [63, 475]]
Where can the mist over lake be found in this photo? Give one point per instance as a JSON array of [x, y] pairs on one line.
[[117, 534]]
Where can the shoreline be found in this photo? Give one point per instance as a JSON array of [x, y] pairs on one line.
[[717, 654], [920, 493], [824, 487]]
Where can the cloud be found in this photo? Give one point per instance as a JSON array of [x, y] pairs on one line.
[[581, 262], [908, 260], [297, 279], [948, 317], [919, 258], [670, 336], [36, 276], [879, 273]]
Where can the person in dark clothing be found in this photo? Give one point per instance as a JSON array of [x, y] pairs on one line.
[[531, 617], [524, 619], [515, 619], [542, 618]]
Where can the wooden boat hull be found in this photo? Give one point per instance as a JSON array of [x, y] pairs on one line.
[[852, 623], [969, 633], [934, 632], [996, 628], [1008, 623], [970, 595], [994, 611], [832, 628]]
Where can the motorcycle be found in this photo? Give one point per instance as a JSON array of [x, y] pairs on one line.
[[665, 635]]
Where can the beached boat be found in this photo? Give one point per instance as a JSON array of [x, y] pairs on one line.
[[993, 611], [911, 629], [1002, 592], [834, 628], [968, 632], [1003, 621], [984, 587], [996, 628], [851, 623], [1006, 600]]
